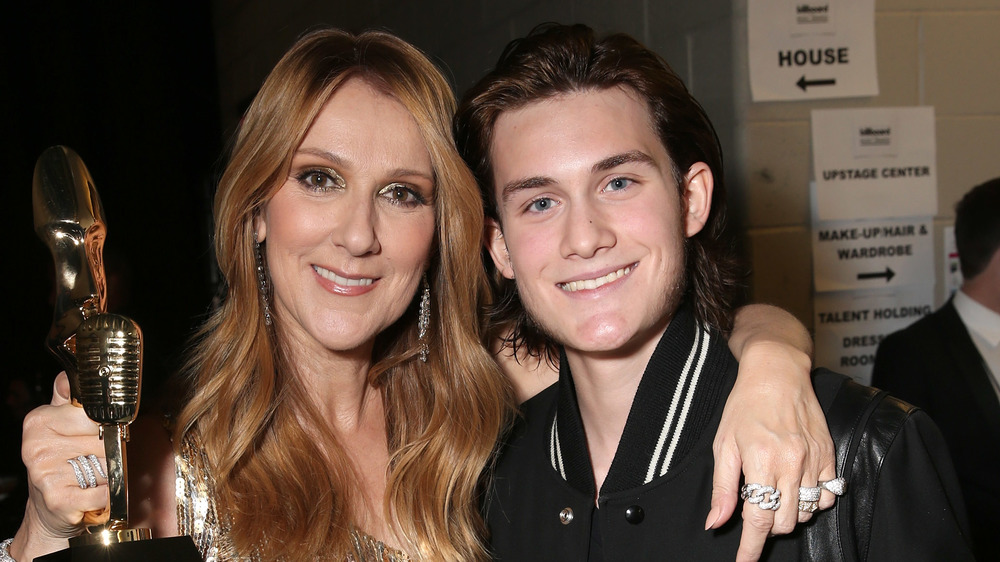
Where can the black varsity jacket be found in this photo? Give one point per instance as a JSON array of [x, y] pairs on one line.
[[902, 503]]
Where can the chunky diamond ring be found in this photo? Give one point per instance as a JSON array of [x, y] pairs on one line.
[[809, 494], [766, 497], [95, 463], [79, 473], [88, 471], [86, 468], [837, 485], [808, 506]]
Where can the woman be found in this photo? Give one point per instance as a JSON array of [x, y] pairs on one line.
[[343, 405], [312, 399]]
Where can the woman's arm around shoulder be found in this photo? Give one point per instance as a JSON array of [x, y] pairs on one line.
[[772, 428]]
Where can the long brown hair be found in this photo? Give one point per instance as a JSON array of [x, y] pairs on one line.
[[559, 59], [282, 494]]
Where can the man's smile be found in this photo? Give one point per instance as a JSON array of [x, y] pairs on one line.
[[588, 284]]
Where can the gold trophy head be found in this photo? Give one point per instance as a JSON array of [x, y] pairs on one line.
[[70, 221]]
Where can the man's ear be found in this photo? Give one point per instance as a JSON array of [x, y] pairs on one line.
[[494, 241], [698, 185]]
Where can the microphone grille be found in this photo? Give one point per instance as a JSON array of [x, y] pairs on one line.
[[109, 366]]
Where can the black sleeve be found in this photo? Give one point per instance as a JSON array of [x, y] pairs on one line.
[[918, 511]]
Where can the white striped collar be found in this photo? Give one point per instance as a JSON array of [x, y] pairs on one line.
[[679, 391]]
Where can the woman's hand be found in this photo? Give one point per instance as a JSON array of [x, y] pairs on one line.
[[772, 427], [58, 508]]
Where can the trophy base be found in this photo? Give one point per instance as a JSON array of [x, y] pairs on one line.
[[154, 550], [104, 536]]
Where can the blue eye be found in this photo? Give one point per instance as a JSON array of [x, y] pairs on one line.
[[541, 204], [618, 184]]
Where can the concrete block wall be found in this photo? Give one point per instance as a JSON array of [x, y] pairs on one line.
[[465, 37], [928, 54]]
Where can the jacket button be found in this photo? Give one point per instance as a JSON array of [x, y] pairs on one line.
[[634, 514], [565, 516]]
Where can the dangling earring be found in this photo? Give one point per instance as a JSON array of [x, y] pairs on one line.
[[261, 279], [424, 320]]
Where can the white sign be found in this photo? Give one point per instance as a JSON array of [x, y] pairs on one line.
[[871, 163], [849, 326], [872, 254], [811, 49]]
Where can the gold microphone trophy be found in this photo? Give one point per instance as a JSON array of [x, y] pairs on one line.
[[101, 352]]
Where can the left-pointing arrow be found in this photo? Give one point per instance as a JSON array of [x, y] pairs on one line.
[[803, 83]]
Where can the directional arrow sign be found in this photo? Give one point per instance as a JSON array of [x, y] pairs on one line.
[[874, 253], [803, 83], [833, 41], [888, 274]]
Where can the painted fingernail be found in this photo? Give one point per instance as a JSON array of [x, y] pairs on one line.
[[713, 517]]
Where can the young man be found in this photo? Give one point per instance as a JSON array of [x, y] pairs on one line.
[[602, 177], [948, 363]]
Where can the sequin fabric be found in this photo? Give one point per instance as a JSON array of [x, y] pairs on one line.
[[197, 515], [370, 549], [196, 512]]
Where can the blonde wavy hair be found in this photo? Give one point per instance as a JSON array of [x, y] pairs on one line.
[[283, 485]]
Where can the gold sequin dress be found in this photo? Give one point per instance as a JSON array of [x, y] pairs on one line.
[[197, 515]]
